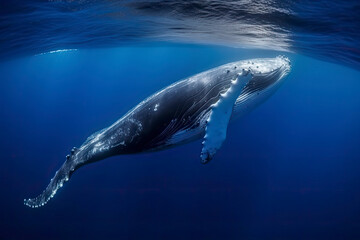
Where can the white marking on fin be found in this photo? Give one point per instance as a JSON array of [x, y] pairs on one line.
[[216, 126]]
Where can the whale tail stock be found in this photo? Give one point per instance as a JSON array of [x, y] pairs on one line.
[[87, 153], [61, 176]]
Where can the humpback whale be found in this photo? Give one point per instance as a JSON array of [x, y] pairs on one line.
[[197, 107]]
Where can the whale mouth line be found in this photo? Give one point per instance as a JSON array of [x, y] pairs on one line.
[[263, 79], [264, 67]]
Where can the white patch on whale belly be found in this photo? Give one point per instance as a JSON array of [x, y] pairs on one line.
[[184, 136], [187, 135]]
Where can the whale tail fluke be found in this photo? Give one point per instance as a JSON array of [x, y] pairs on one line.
[[61, 176]]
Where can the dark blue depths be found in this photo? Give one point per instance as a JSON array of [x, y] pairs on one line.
[[288, 170]]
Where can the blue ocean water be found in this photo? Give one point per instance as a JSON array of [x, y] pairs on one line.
[[288, 170]]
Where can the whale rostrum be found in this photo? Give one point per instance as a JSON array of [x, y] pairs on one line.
[[197, 107]]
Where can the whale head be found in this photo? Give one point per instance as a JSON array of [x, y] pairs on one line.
[[267, 76]]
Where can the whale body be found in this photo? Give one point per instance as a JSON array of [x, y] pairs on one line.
[[198, 107]]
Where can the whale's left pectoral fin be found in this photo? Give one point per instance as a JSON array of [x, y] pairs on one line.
[[217, 123]]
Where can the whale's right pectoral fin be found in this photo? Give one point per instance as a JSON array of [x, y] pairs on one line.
[[217, 123]]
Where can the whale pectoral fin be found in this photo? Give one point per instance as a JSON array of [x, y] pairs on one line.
[[217, 123]]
